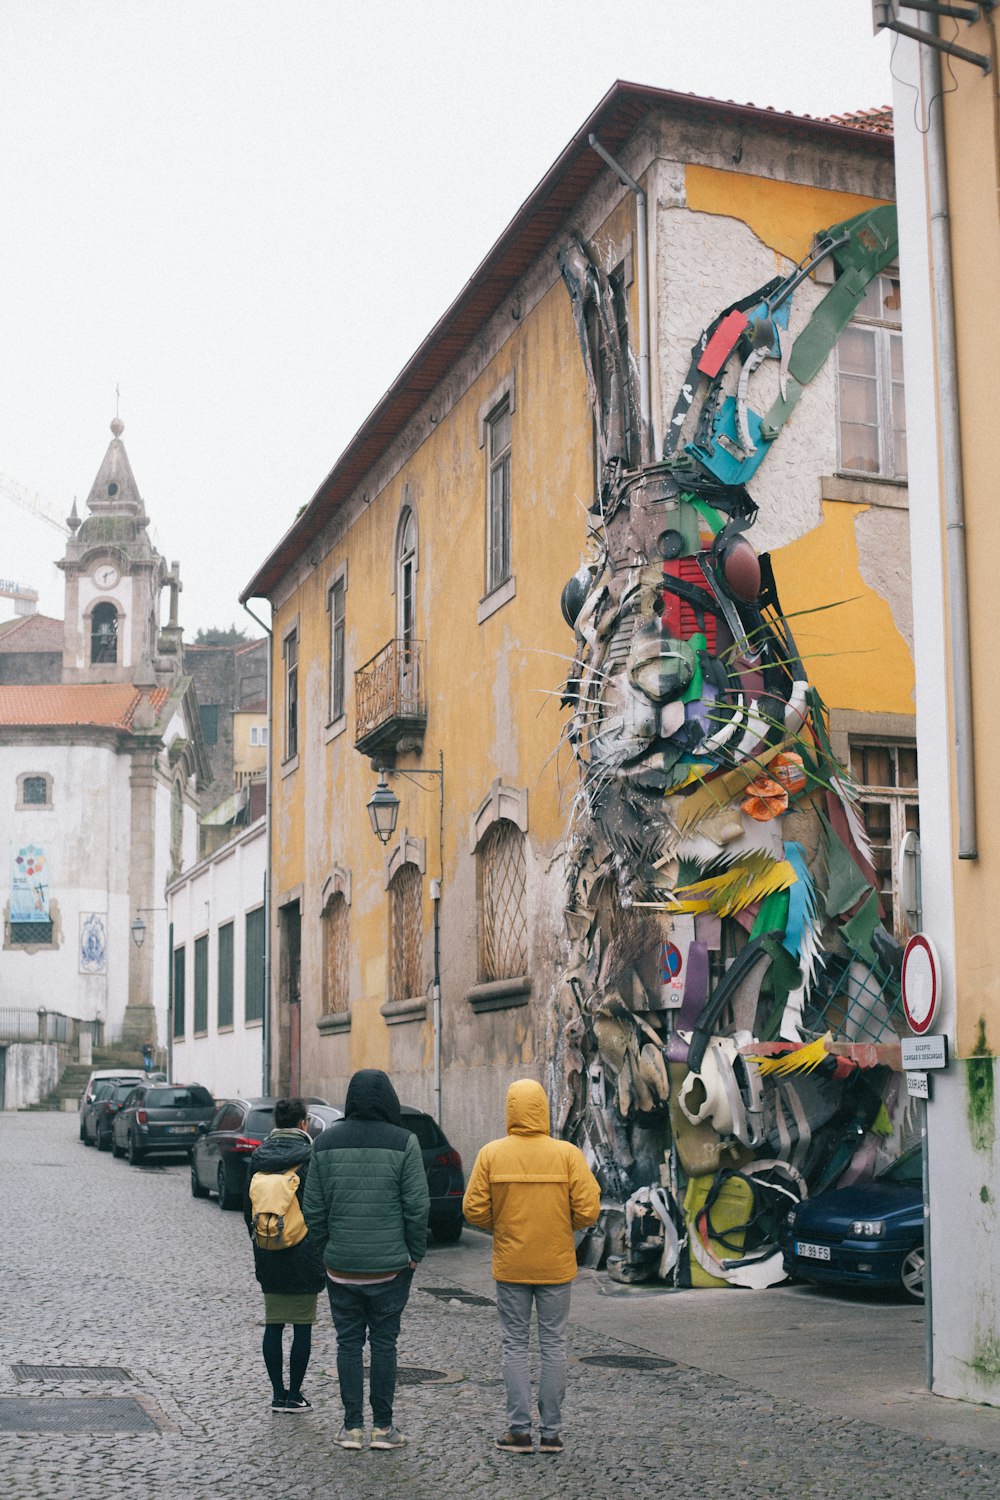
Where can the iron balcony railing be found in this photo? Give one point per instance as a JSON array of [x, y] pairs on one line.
[[389, 694], [22, 1025]]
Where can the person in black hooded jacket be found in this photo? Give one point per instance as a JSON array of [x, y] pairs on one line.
[[290, 1279], [366, 1205]]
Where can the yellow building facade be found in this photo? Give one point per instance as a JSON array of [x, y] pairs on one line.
[[416, 599]]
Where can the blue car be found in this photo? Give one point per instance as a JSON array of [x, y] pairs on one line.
[[868, 1235]]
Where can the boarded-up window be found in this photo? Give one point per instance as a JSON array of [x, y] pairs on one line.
[[225, 996], [200, 985], [407, 933], [502, 884], [253, 991], [179, 992], [336, 965]]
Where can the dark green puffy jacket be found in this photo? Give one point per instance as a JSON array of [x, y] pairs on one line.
[[366, 1198]]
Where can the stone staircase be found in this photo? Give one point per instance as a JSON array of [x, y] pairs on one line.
[[66, 1094]]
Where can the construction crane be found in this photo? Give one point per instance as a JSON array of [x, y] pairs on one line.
[[27, 500]]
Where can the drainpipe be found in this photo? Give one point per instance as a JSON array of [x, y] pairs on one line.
[[266, 1037], [951, 447], [642, 274]]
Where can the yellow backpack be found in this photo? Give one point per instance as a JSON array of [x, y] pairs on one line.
[[277, 1222]]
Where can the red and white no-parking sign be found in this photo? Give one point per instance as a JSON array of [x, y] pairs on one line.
[[921, 983]]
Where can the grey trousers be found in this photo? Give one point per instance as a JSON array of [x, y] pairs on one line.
[[514, 1302]]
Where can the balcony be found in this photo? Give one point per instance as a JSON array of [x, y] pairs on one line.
[[390, 707]]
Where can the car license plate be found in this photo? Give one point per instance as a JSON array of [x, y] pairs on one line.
[[182, 1129], [812, 1252]]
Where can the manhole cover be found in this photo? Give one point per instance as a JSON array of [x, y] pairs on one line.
[[74, 1414], [86, 1374], [456, 1294], [415, 1375], [628, 1362]]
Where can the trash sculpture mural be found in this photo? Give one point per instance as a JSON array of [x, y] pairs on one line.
[[730, 991]]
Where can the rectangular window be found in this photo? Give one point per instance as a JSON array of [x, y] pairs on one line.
[[337, 601], [209, 714], [498, 428], [200, 985], [258, 734], [253, 988], [225, 995], [887, 781], [179, 992], [871, 399], [291, 695]]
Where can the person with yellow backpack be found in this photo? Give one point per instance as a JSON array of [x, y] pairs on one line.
[[286, 1263]]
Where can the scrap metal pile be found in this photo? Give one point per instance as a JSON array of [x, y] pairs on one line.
[[730, 988]]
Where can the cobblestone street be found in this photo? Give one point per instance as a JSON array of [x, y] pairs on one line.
[[108, 1265]]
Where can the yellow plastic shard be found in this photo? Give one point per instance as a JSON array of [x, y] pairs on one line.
[[741, 885], [802, 1060]]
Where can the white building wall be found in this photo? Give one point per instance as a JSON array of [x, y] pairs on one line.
[[218, 890], [964, 1273]]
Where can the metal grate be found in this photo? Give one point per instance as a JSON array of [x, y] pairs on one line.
[[74, 1414], [628, 1362], [83, 1373], [407, 933], [336, 955], [505, 928], [854, 1001], [456, 1294]]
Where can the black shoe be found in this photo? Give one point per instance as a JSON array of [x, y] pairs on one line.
[[515, 1442], [553, 1443], [296, 1402], [278, 1402]]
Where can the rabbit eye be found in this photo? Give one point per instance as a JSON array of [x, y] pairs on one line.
[[741, 570]]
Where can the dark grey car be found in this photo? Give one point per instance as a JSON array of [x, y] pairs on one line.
[[160, 1118]]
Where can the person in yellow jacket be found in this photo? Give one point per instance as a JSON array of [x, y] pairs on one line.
[[532, 1192]]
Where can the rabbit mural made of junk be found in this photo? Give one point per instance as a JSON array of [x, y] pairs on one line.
[[725, 1015]]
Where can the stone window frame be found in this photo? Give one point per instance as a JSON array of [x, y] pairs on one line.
[[55, 928], [21, 805], [337, 884], [408, 850], [885, 329], [495, 597], [291, 734], [507, 804]]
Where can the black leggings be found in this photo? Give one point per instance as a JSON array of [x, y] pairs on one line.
[[298, 1360]]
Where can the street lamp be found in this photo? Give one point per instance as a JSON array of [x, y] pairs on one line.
[[138, 928], [383, 809]]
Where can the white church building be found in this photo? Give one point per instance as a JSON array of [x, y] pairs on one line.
[[99, 779]]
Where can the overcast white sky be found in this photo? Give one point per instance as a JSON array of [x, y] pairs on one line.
[[249, 214]]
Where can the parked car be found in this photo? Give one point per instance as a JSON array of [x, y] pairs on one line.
[[160, 1117], [107, 1075], [868, 1235], [225, 1142], [99, 1115], [445, 1178]]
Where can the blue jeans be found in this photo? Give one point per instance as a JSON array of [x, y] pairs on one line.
[[514, 1301], [375, 1311]]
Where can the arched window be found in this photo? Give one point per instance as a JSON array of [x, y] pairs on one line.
[[406, 569], [104, 634], [407, 933], [336, 955], [502, 888]]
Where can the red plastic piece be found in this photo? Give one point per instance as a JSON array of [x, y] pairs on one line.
[[722, 343]]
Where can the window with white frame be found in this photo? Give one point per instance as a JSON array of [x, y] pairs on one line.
[[502, 871], [407, 933], [337, 605], [498, 519], [886, 775], [291, 650], [258, 734], [870, 398]]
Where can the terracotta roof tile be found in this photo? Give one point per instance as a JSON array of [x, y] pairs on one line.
[[878, 119], [32, 633], [111, 705]]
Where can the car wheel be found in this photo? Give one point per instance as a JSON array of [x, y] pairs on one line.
[[197, 1191], [83, 1133], [227, 1198], [447, 1234], [135, 1155], [116, 1150], [86, 1138], [911, 1274], [104, 1141]]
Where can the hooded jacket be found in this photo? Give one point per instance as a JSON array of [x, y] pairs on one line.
[[366, 1199], [532, 1192], [299, 1268]]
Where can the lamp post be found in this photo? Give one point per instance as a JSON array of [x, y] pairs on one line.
[[138, 931], [383, 810]]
